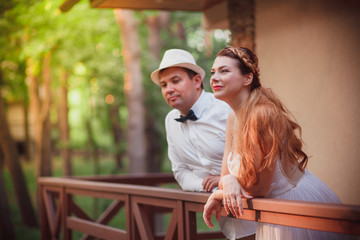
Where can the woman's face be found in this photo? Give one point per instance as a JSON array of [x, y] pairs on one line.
[[227, 82]]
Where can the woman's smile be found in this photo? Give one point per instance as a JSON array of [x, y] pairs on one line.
[[217, 87]]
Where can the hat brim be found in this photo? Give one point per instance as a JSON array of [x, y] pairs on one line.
[[155, 74]]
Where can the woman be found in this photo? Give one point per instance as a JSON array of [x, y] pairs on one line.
[[263, 149]]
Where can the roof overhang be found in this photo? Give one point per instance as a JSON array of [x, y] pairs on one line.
[[215, 14], [170, 5]]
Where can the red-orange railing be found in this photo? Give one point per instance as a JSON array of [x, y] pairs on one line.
[[60, 214]]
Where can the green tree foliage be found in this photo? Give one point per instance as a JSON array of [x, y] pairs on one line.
[[12, 67], [86, 43]]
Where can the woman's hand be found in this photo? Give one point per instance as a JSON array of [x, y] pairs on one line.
[[232, 191], [212, 204]]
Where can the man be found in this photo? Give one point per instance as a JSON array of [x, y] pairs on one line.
[[195, 145], [195, 130]]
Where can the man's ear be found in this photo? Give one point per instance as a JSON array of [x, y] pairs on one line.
[[198, 80], [248, 79]]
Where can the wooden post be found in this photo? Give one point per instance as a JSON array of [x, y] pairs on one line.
[[44, 224], [190, 218], [242, 23], [181, 229], [64, 198]]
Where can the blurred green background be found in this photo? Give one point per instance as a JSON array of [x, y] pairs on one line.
[[85, 44]]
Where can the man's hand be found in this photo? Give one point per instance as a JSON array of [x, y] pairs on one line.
[[210, 182]]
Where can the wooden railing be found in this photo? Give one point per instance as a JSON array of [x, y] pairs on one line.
[[60, 214]]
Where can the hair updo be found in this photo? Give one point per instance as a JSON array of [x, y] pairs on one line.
[[247, 63]]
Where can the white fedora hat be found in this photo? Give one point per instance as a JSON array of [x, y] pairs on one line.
[[177, 58]]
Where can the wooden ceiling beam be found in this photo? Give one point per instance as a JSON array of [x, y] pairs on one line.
[[67, 5], [170, 5]]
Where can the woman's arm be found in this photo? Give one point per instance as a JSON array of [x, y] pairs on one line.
[[228, 145], [216, 198], [231, 194], [213, 203]]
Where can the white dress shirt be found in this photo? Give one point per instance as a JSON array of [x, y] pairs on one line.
[[196, 148]]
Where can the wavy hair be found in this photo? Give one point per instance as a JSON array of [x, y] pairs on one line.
[[264, 128]]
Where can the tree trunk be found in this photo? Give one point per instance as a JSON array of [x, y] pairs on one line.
[[6, 225], [63, 122], [242, 23], [155, 24], [133, 91], [180, 31], [46, 158], [118, 134], [27, 132], [40, 111], [208, 43], [12, 161]]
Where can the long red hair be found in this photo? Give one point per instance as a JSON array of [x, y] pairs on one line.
[[264, 129]]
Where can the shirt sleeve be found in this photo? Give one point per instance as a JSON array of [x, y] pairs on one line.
[[185, 177]]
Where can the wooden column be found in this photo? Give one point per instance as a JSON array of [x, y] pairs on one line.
[[241, 16]]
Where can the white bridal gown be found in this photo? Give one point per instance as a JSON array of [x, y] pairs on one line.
[[290, 183]]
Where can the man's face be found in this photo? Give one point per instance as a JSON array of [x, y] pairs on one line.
[[178, 90]]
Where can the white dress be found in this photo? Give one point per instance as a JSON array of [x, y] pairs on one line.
[[292, 184]]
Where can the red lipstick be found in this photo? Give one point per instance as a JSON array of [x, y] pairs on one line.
[[216, 87]]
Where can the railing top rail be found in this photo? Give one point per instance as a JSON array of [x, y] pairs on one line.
[[150, 191], [314, 209], [136, 177]]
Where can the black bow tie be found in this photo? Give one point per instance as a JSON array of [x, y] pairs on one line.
[[190, 115]]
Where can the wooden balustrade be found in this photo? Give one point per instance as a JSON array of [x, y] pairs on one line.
[[60, 214]]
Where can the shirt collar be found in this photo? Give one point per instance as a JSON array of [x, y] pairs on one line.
[[200, 105]]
